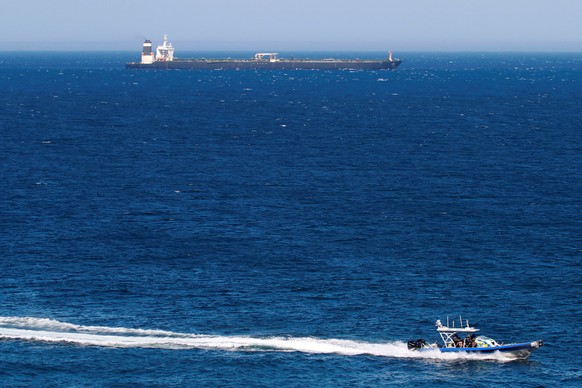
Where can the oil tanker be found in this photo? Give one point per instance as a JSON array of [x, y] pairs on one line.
[[164, 59]]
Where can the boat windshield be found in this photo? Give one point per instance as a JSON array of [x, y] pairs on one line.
[[485, 342]]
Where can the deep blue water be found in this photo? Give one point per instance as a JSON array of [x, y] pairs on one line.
[[302, 225]]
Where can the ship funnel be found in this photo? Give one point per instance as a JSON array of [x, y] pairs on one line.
[[147, 55], [147, 47]]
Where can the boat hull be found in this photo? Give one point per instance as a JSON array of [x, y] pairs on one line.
[[518, 351], [277, 65]]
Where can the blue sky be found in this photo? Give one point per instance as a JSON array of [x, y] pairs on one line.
[[400, 25]]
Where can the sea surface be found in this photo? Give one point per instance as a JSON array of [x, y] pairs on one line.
[[288, 228]]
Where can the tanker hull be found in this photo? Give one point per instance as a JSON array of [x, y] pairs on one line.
[[255, 65]]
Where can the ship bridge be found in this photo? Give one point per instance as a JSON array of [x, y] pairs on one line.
[[165, 52]]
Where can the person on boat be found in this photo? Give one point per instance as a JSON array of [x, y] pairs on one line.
[[470, 341], [457, 341]]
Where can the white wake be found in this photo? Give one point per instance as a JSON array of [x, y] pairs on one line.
[[49, 330]]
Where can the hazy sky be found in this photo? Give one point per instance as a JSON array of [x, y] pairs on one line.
[[400, 25]]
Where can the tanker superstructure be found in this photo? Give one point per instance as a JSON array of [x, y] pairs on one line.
[[164, 59]]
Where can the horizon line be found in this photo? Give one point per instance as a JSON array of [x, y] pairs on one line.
[[247, 50], [135, 45]]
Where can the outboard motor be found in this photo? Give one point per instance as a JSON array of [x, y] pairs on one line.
[[416, 344]]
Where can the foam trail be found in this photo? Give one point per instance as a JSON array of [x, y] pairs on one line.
[[48, 330]]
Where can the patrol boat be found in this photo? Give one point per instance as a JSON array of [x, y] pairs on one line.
[[472, 344]]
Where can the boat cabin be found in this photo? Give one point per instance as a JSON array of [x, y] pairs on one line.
[[450, 334]]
